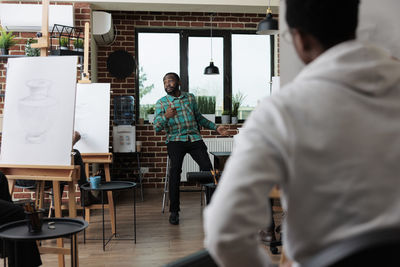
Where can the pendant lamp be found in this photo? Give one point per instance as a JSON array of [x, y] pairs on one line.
[[211, 69], [269, 25]]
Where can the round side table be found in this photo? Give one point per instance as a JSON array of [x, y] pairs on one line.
[[61, 227], [112, 186]]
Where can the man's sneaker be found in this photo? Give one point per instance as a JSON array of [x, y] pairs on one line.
[[174, 218]]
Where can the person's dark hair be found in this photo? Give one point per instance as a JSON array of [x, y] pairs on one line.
[[173, 74], [329, 21]]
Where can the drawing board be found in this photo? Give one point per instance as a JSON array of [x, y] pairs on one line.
[[39, 111], [92, 117]]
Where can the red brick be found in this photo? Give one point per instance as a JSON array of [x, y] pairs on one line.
[[224, 25], [177, 18], [161, 17], [189, 18], [237, 25], [156, 23], [256, 20], [169, 23], [244, 19], [197, 24], [183, 24], [22, 195], [142, 23], [82, 16], [250, 25], [147, 17]]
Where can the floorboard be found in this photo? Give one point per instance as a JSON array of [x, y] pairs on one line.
[[158, 242]]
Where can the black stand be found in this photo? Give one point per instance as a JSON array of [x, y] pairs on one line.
[[111, 186]]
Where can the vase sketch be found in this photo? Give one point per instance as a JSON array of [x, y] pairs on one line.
[[37, 110]]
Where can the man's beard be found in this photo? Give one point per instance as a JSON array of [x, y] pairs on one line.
[[172, 92]]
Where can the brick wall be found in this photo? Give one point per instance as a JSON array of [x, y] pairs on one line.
[[153, 153]]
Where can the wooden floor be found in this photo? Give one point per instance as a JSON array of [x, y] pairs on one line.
[[158, 242]]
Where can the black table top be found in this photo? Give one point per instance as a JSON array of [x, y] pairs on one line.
[[221, 154], [18, 230], [110, 186]]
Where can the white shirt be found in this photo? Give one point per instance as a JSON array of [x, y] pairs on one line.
[[331, 140]]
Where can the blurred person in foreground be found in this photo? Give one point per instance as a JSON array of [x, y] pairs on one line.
[[330, 139]]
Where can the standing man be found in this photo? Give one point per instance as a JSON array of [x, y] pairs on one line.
[[177, 114], [330, 139]]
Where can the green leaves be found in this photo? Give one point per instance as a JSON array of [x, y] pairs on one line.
[[206, 104], [64, 41], [6, 39], [78, 43], [237, 101]]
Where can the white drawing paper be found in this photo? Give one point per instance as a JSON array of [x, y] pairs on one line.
[[92, 117], [39, 111]]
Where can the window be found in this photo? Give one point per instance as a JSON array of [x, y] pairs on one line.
[[251, 70], [158, 54], [199, 58], [244, 60]]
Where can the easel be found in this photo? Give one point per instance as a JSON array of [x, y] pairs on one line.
[[100, 158], [105, 159], [56, 174]]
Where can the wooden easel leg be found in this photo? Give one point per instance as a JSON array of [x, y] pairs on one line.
[[87, 170], [87, 209], [71, 200], [41, 194], [110, 198], [11, 184], [87, 214], [57, 210]]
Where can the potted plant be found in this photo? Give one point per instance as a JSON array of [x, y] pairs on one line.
[[78, 45], [6, 41], [150, 114], [29, 51], [206, 106], [64, 43], [237, 101], [225, 117]]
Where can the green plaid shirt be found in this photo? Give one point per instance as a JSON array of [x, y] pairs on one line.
[[185, 125]]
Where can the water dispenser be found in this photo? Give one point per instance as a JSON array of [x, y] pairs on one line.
[[124, 131]]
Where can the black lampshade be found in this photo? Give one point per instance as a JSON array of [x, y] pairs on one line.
[[268, 26], [211, 69]]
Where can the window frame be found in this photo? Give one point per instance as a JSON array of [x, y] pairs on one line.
[[184, 35]]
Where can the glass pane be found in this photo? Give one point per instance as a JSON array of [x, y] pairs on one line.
[[251, 70], [158, 55], [199, 58]]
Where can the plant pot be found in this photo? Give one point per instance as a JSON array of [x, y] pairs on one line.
[[150, 117], [4, 51], [225, 119], [63, 48], [78, 49], [210, 117], [234, 120]]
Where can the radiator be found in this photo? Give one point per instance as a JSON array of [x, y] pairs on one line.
[[213, 145]]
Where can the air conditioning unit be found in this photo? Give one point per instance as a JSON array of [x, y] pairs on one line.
[[28, 17], [103, 29]]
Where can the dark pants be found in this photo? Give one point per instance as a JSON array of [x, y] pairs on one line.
[[176, 152], [28, 253]]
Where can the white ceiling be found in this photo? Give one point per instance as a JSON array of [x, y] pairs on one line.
[[231, 6]]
